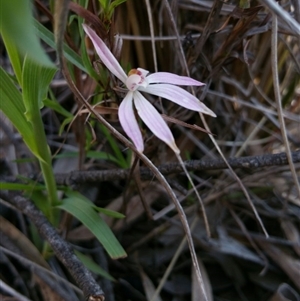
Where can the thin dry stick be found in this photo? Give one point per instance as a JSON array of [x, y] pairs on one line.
[[38, 268], [186, 67], [149, 12], [236, 177], [147, 38], [284, 15], [195, 261], [217, 147], [198, 272], [250, 239], [76, 178], [278, 99], [7, 289], [251, 136], [256, 106], [169, 10], [64, 252], [172, 264], [167, 5]]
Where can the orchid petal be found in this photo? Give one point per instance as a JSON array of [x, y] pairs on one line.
[[179, 96], [129, 123], [153, 120], [170, 78], [105, 54]]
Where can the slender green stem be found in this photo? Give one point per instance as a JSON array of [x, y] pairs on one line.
[[45, 164]]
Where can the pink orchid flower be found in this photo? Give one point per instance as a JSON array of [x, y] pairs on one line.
[[161, 84]]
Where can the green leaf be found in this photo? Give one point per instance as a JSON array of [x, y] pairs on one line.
[[84, 211], [113, 5], [93, 266], [104, 4], [14, 57], [25, 160], [102, 156], [54, 105], [108, 212], [116, 3], [16, 25], [64, 123], [48, 37], [12, 106], [18, 186], [38, 197], [83, 51], [121, 160], [36, 79]]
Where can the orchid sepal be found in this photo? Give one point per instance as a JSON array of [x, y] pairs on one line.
[[105, 55], [129, 123], [154, 121]]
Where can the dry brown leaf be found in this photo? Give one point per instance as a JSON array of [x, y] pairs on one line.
[[285, 293], [292, 233], [21, 243], [134, 206], [149, 287], [184, 124], [197, 294], [48, 293], [289, 265], [101, 110]]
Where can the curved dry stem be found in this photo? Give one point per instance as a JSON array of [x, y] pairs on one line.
[[150, 165]]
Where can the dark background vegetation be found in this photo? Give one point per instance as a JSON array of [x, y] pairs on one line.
[[227, 45]]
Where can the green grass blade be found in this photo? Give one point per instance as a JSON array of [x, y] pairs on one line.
[[12, 106], [104, 5], [54, 105], [113, 144], [113, 6], [48, 37], [36, 79], [22, 187], [84, 212], [14, 57], [110, 213], [93, 266]]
